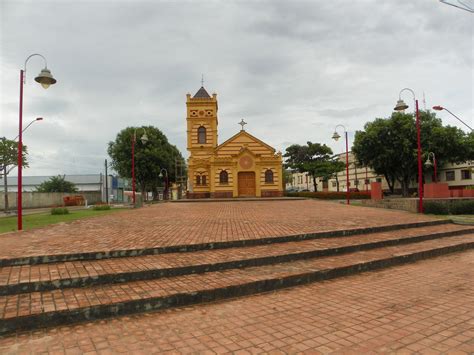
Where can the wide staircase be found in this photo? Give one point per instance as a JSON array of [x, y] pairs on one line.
[[49, 290]]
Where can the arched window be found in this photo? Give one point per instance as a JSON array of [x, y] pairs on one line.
[[203, 179], [223, 177], [202, 135], [268, 177], [198, 179]]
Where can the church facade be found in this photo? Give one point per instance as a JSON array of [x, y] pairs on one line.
[[242, 166]]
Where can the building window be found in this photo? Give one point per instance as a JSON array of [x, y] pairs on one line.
[[466, 174], [223, 177], [334, 184], [450, 175], [203, 179], [198, 179], [367, 181], [202, 135], [378, 179], [269, 177]]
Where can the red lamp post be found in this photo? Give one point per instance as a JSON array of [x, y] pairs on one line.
[[429, 164], [45, 79], [401, 106], [440, 108], [144, 139], [336, 137]]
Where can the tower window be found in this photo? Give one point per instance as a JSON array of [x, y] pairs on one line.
[[203, 179], [198, 179], [268, 177], [202, 135], [223, 177]]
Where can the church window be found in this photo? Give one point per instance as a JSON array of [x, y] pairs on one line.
[[198, 179], [223, 177], [202, 135], [203, 179], [269, 177]]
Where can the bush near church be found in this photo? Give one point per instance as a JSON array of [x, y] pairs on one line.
[[330, 195]]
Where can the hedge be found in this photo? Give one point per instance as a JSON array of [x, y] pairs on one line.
[[454, 207], [330, 195], [101, 207]]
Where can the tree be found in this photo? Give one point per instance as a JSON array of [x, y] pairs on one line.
[[389, 146], [57, 184], [313, 158], [8, 161], [156, 154]]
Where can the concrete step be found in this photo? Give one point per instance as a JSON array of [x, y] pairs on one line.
[[107, 254], [41, 277], [49, 308]]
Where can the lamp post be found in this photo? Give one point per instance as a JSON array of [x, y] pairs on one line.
[[401, 106], [5, 172], [428, 164], [166, 182], [45, 79], [144, 139], [336, 137], [440, 108]]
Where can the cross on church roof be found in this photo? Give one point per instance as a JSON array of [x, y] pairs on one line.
[[242, 123]]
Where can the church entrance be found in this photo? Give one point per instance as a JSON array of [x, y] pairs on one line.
[[246, 184]]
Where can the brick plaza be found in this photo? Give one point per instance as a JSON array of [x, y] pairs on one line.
[[426, 308], [422, 307], [189, 223]]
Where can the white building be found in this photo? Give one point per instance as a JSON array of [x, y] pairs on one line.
[[457, 176]]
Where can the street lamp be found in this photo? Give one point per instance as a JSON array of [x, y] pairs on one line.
[[401, 106], [336, 137], [29, 124], [429, 164], [166, 181], [440, 108], [45, 78], [144, 139]]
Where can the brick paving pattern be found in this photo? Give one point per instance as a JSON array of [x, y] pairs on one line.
[[26, 304], [424, 307], [193, 223], [12, 275]]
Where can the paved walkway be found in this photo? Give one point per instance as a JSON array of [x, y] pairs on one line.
[[425, 307], [190, 223]]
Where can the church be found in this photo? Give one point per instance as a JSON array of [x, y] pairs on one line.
[[242, 166]]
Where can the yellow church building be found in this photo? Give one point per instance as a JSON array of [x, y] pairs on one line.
[[242, 166]]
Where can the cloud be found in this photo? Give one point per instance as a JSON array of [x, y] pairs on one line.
[[292, 70]]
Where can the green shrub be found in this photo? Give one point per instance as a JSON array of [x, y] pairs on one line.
[[330, 195], [432, 207], [101, 207], [462, 207], [59, 210]]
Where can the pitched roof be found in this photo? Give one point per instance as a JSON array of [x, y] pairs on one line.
[[202, 94], [242, 132]]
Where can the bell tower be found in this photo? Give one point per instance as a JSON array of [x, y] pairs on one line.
[[201, 123]]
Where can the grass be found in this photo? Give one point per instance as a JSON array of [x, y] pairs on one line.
[[459, 218], [9, 224]]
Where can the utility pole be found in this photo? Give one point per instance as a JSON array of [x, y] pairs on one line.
[[106, 184]]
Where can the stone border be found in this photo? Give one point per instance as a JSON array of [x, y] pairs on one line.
[[150, 274], [46, 259], [183, 299]]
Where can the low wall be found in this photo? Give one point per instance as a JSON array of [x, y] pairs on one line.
[[46, 199], [406, 204]]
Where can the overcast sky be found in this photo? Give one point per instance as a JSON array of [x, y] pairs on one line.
[[291, 69]]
